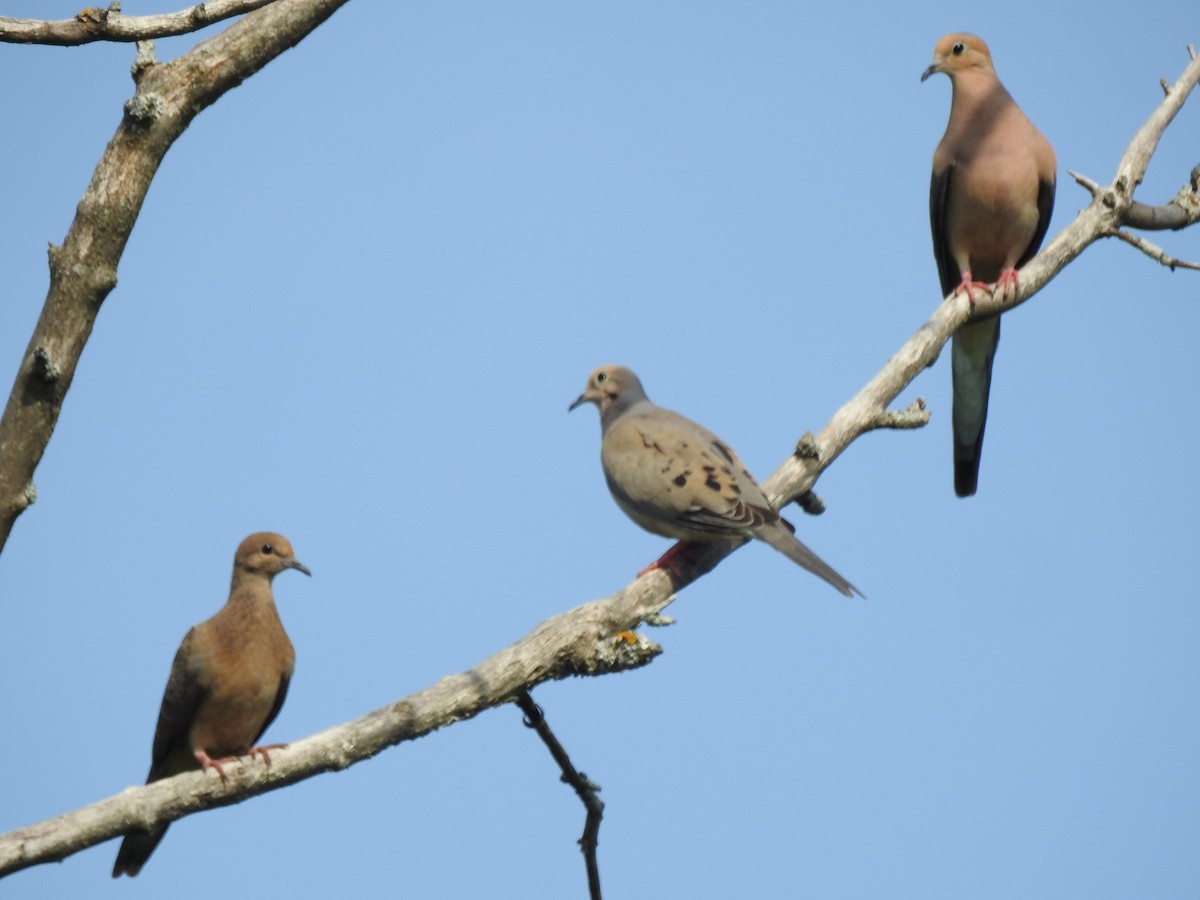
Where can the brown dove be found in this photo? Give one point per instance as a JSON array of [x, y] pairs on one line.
[[990, 202], [676, 478], [227, 683]]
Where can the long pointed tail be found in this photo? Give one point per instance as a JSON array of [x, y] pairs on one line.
[[972, 351], [135, 850], [778, 535]]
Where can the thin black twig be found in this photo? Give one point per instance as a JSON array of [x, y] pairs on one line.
[[586, 789]]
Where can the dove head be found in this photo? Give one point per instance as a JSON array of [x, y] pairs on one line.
[[956, 54], [614, 390], [265, 554]]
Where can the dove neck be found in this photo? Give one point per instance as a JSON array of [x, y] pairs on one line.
[[251, 588], [618, 409], [974, 98]]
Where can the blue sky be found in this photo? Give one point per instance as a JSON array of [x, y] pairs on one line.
[[364, 288]]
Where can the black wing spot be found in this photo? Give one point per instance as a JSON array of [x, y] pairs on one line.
[[680, 479], [723, 450]]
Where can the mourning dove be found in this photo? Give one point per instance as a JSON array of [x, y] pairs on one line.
[[989, 206], [676, 478], [227, 683]]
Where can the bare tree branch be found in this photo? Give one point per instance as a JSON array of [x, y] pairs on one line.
[[1183, 210], [586, 789], [592, 639], [107, 24], [84, 269], [1154, 252], [1179, 212], [1099, 219]]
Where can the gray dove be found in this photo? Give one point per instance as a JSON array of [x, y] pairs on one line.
[[676, 478]]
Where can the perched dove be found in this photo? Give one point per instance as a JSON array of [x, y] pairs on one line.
[[676, 478], [227, 683], [989, 206]]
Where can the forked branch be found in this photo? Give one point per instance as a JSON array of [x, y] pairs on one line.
[[587, 790], [592, 639], [84, 269]]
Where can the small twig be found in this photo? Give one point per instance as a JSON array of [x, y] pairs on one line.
[[1092, 187], [807, 448], [1153, 251], [586, 789], [915, 415], [658, 620]]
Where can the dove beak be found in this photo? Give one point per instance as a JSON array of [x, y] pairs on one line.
[[932, 70], [293, 563], [579, 401]]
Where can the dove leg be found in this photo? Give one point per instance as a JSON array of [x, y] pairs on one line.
[[968, 284], [667, 560], [1008, 283], [263, 750], [207, 762]]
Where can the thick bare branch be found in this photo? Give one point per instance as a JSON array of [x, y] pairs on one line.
[[84, 269], [107, 24], [1179, 212], [591, 639]]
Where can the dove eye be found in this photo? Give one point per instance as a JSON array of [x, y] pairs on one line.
[[601, 377], [958, 49], [268, 549]]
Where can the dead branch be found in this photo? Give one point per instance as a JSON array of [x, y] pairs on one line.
[[1179, 212], [84, 269], [107, 24], [1155, 252], [589, 640], [593, 639], [1100, 218]]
